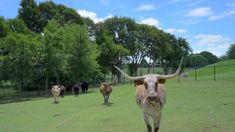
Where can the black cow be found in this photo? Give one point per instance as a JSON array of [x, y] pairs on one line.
[[84, 87], [62, 91], [69, 89], [76, 89]]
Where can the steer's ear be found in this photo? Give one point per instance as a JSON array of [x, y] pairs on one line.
[[139, 82], [161, 81]]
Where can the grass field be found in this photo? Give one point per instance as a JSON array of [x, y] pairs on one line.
[[202, 106]]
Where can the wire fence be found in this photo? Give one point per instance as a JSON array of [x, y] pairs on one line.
[[10, 93]]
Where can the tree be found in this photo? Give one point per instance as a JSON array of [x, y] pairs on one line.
[[222, 58], [53, 58], [19, 58], [231, 51], [116, 28], [168, 50], [209, 56], [198, 60], [62, 14], [3, 28], [18, 26], [81, 52], [108, 50], [48, 10], [137, 41], [30, 14]]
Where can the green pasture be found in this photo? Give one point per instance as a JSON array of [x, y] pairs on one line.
[[192, 106]]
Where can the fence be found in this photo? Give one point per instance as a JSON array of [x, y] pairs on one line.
[[218, 72], [9, 92]]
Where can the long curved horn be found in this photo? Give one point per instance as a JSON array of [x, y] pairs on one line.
[[129, 77], [172, 75]]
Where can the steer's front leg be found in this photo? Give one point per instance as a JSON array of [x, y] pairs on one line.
[[146, 120], [157, 123]]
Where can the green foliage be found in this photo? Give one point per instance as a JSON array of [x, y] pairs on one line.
[[18, 26], [223, 57], [209, 56], [62, 14], [30, 14], [3, 28], [109, 51], [197, 60], [231, 51], [82, 52], [19, 58]]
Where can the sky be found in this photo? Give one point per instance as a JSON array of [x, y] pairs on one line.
[[206, 24]]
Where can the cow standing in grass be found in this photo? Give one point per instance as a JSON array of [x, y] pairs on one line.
[[150, 95], [84, 87], [55, 90], [106, 90], [69, 89], [62, 91], [76, 89]]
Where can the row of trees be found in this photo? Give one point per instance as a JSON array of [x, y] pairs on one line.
[[52, 43], [204, 58]]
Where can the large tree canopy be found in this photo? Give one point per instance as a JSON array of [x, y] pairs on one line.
[[209, 56], [49, 43]]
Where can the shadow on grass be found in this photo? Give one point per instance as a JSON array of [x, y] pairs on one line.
[[109, 104]]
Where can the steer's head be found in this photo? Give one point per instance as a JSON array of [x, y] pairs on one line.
[[151, 81]]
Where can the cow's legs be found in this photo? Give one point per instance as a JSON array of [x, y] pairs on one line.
[[146, 120], [157, 124], [107, 98], [104, 98]]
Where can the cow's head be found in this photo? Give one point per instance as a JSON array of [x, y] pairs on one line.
[[151, 81], [106, 85]]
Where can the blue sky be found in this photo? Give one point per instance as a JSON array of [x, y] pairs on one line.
[[206, 24]]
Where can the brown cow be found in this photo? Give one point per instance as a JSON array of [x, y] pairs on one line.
[[150, 95], [106, 90]]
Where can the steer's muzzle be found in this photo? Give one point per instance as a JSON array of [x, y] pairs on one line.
[[151, 98]]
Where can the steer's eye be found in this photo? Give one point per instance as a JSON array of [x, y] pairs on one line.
[[145, 85], [156, 86]]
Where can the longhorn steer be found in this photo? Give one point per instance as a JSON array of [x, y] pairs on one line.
[[106, 90], [150, 95]]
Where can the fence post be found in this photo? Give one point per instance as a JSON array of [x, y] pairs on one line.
[[195, 69], [214, 74]]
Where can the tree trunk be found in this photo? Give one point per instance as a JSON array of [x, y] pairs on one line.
[[46, 84], [135, 69], [58, 79]]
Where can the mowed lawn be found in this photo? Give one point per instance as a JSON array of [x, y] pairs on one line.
[[202, 106]]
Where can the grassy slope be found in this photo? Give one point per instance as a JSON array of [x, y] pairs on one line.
[[204, 106]]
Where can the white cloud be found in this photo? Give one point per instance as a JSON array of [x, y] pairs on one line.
[[194, 2], [93, 15], [200, 12], [145, 7], [222, 15], [217, 44], [173, 30], [207, 40], [151, 21]]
